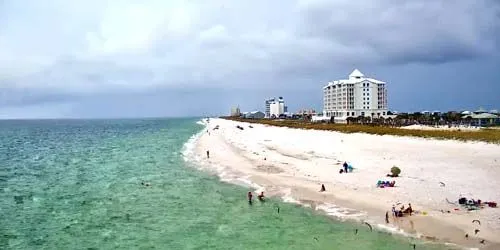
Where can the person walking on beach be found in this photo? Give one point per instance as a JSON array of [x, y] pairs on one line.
[[345, 167], [208, 154]]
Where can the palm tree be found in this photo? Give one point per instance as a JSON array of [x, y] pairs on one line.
[[468, 120], [351, 120]]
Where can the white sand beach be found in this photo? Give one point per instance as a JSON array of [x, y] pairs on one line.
[[293, 164], [441, 127]]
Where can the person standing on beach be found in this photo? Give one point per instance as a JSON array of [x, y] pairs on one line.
[[345, 167], [208, 154], [387, 217], [250, 197]]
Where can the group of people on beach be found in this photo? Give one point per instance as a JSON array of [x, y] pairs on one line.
[[402, 211], [250, 197]]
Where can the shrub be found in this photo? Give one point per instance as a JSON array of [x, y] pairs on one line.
[[395, 171]]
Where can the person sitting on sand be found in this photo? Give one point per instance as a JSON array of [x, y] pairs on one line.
[[261, 196], [408, 210]]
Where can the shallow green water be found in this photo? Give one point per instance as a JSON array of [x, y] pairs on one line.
[[76, 184]]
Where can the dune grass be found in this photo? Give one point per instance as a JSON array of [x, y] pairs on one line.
[[484, 135]]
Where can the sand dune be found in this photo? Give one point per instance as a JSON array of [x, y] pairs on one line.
[[293, 163]]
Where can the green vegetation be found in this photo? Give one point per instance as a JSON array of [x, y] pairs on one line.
[[486, 135], [395, 171]]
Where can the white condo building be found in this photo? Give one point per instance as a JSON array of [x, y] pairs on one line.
[[356, 96], [275, 107]]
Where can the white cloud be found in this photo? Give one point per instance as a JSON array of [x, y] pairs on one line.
[[96, 45]]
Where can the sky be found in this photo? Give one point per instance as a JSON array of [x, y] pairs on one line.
[[155, 58]]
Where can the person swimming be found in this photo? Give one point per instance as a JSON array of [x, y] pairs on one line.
[[261, 196]]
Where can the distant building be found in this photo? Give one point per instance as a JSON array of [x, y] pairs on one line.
[[235, 111], [267, 110], [483, 119], [356, 96], [254, 115], [306, 111], [275, 107]]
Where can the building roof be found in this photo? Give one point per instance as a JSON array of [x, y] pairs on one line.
[[374, 80], [353, 78], [485, 115], [480, 110], [356, 73], [482, 116]]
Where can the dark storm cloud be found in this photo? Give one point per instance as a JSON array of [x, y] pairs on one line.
[[195, 57]]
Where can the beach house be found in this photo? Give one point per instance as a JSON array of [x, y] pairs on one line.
[[353, 97]]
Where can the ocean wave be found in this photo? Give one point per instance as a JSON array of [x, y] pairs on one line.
[[395, 230], [188, 149], [341, 212], [225, 175], [287, 197], [348, 214]]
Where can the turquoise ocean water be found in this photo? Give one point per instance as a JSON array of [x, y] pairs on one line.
[[76, 184]]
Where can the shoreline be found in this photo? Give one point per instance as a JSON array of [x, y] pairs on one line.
[[281, 178]]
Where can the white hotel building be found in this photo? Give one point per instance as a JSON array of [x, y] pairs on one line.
[[275, 107], [353, 97]]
